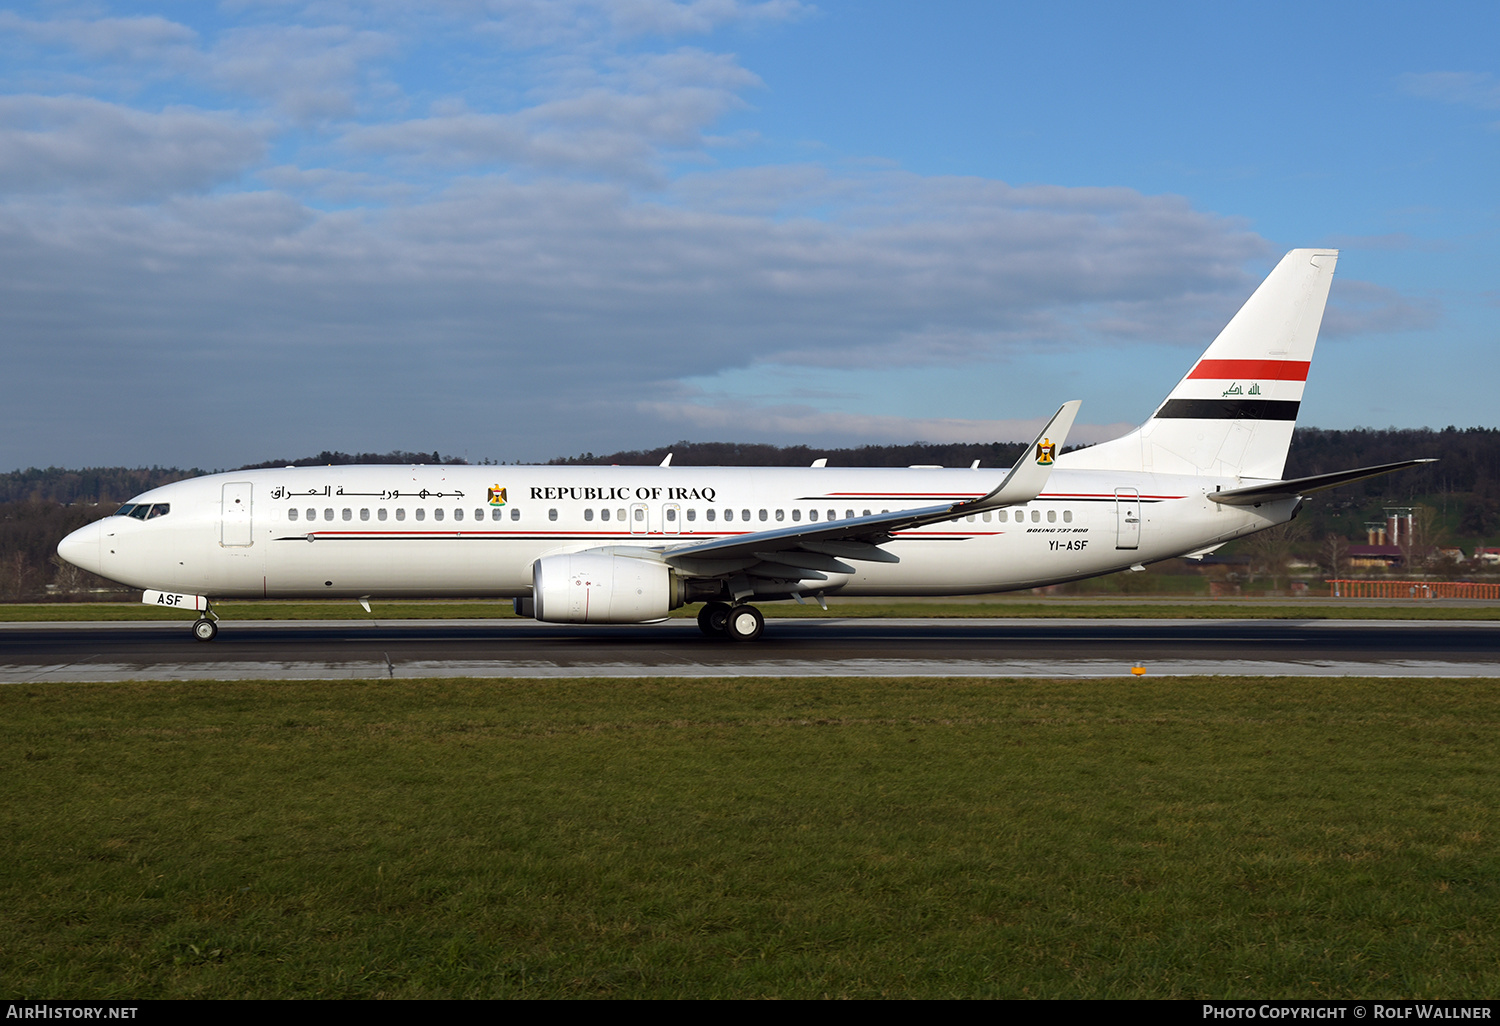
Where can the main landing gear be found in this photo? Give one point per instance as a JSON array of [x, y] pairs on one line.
[[737, 623]]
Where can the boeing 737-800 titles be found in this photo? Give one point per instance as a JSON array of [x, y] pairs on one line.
[[630, 544]]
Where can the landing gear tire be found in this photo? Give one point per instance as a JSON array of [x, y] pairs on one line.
[[713, 619], [745, 623], [205, 630]]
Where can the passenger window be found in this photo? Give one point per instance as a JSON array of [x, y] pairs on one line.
[[1067, 516], [421, 513], [620, 515], [970, 518], [552, 514], [848, 514], [437, 514], [986, 517], [745, 515], [671, 515], [495, 513], [588, 515], [401, 513], [796, 516], [515, 514], [780, 515], [1036, 516], [867, 513], [1003, 516], [833, 514], [380, 513], [479, 514], [729, 514], [348, 513], [640, 515], [1052, 516], [692, 515], [812, 515], [291, 514], [312, 514], [709, 514], [364, 514], [763, 516], [458, 514], [328, 514], [604, 514]]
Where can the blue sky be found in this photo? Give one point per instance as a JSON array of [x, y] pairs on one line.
[[521, 229]]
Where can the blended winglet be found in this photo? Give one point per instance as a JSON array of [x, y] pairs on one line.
[[1029, 476]]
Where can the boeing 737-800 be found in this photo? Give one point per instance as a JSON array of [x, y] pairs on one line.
[[630, 544]]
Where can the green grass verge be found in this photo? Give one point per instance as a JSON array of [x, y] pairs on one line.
[[1185, 609], [1202, 837]]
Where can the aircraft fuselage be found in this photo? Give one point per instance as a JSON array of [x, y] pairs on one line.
[[461, 531]]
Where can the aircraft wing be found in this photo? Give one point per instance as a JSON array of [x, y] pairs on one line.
[[811, 551], [1254, 495]]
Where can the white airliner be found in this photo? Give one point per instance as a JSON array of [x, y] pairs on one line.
[[630, 544]]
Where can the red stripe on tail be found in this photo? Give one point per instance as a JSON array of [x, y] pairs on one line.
[[1266, 370]]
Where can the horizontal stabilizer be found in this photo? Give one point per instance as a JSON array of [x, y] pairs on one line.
[[1272, 491]]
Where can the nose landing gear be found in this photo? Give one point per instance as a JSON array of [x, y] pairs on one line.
[[206, 627]]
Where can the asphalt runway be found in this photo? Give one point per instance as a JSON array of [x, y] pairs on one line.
[[310, 650]]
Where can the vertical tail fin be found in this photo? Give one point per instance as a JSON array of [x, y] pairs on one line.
[[1233, 414]]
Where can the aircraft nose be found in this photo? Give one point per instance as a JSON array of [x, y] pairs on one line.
[[81, 548]]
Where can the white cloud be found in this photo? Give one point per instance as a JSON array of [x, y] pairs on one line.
[[139, 40], [1361, 308], [75, 144], [310, 74], [1478, 89], [617, 122], [334, 186], [470, 300], [535, 23]]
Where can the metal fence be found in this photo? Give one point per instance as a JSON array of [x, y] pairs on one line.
[[1413, 589]]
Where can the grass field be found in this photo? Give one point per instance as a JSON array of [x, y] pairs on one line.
[[985, 606], [1179, 837]]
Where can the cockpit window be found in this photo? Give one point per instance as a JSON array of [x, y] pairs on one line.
[[144, 510]]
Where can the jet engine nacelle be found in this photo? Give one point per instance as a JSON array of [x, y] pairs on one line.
[[593, 587]]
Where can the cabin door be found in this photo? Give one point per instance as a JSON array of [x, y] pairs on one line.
[[235, 525], [1127, 518]]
